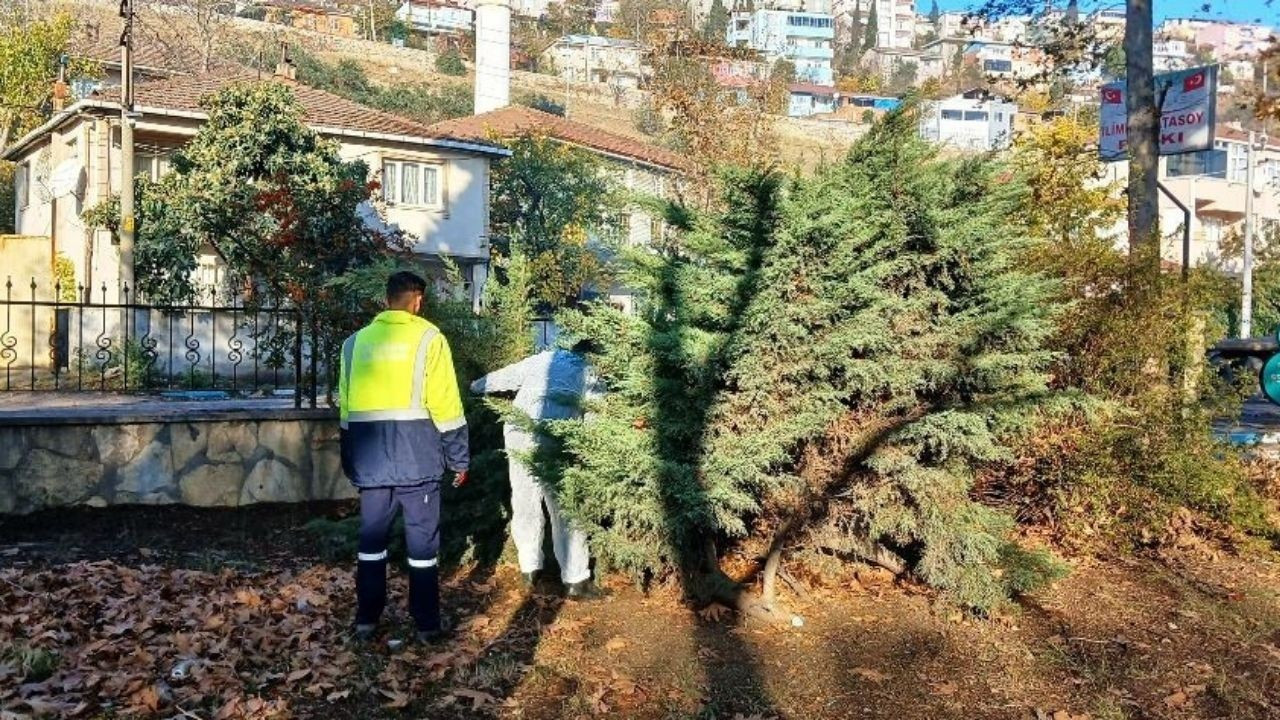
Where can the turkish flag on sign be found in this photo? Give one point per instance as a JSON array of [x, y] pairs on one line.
[[1112, 96], [1193, 82]]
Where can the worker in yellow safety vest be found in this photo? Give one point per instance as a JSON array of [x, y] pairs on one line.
[[403, 427]]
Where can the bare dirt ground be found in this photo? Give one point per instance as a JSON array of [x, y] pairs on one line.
[[102, 608]]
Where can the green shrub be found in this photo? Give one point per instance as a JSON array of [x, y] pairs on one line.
[[538, 101], [450, 63], [1136, 447], [863, 343], [648, 119]]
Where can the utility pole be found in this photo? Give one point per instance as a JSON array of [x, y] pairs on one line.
[[1246, 289], [127, 223], [1144, 106]]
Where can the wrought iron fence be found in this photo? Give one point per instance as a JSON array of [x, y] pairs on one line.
[[76, 339]]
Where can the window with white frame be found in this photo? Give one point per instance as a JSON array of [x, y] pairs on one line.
[[152, 165], [411, 184]]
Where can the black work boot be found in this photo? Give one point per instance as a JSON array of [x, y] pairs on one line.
[[440, 634], [584, 590]]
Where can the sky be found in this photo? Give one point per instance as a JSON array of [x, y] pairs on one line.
[[1264, 11]]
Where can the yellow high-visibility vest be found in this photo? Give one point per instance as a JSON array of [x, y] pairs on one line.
[[399, 367], [401, 412]]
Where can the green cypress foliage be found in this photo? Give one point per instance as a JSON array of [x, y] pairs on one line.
[[870, 337], [872, 39], [896, 339]]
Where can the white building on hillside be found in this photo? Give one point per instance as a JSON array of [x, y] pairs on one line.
[[1171, 54], [434, 17], [971, 121], [804, 38], [958, 24], [597, 59], [896, 20]]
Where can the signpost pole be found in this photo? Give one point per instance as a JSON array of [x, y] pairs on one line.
[[126, 147], [1246, 288], [1186, 228]]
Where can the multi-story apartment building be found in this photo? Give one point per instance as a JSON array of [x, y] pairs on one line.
[[803, 38], [896, 21], [958, 24]]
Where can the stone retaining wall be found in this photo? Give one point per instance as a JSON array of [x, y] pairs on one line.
[[203, 462]]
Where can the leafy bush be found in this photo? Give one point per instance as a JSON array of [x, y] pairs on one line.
[[117, 366], [65, 274], [450, 63], [648, 119], [426, 103], [105, 215], [1137, 445], [548, 199]]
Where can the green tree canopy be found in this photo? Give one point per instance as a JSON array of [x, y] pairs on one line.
[[872, 38], [450, 63], [548, 199], [267, 195], [30, 53], [716, 27]]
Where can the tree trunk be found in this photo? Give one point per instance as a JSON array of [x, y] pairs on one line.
[[1143, 135]]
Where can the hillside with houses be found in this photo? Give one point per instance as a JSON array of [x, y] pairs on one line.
[[639, 359]]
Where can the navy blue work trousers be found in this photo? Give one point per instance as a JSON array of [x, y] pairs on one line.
[[420, 505]]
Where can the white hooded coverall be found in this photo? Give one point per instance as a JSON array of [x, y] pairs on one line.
[[548, 386]]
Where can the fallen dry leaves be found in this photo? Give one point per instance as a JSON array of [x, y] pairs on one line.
[[168, 642], [868, 674]]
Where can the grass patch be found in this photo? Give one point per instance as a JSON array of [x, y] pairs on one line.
[[31, 663]]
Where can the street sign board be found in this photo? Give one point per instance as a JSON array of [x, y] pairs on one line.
[[1186, 119]]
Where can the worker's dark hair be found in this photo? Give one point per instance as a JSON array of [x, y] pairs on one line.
[[402, 284]]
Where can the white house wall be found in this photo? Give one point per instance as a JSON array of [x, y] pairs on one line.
[[459, 227]]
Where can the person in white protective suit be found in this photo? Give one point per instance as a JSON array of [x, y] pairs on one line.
[[550, 385]]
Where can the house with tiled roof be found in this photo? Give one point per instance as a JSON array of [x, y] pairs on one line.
[[435, 186], [636, 165]]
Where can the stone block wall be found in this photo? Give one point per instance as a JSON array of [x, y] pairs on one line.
[[208, 463]]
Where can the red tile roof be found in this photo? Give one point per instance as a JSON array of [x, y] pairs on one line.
[[1226, 132], [811, 89], [513, 121], [320, 108]]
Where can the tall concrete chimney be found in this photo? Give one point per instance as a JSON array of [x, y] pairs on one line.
[[493, 55]]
